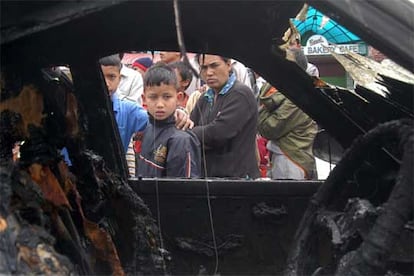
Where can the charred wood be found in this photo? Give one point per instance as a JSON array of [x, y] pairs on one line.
[[60, 220]]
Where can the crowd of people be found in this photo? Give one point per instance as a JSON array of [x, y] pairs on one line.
[[227, 121]]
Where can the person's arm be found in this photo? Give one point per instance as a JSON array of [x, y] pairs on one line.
[[279, 122], [184, 156], [228, 123], [182, 119], [137, 119]]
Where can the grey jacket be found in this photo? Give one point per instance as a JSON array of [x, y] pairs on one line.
[[227, 129]]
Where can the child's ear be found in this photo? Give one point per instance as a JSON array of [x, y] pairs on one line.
[[144, 99], [180, 96]]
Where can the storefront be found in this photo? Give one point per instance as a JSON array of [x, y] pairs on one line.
[[319, 36], [318, 51]]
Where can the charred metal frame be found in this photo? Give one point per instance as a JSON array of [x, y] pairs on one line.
[[254, 222]]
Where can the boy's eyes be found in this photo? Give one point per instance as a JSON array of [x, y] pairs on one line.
[[111, 77], [154, 96]]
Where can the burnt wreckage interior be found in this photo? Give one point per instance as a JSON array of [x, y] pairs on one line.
[[92, 219]]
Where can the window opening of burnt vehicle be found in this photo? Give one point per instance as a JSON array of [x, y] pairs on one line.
[[88, 219]]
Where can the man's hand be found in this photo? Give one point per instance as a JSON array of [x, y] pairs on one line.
[[182, 120]]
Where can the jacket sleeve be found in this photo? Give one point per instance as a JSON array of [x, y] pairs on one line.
[[184, 156], [228, 123], [137, 119], [277, 123]]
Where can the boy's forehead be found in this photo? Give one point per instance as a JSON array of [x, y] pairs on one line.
[[163, 87], [110, 69]]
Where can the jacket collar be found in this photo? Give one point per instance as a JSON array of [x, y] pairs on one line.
[[229, 84], [168, 121], [115, 102]]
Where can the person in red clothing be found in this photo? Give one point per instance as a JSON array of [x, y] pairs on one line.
[[263, 155]]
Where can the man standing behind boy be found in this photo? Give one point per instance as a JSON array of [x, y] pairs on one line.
[[225, 119], [165, 150]]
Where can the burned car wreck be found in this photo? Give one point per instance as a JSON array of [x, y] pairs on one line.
[[93, 219]]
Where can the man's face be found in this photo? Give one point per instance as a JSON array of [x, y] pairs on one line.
[[112, 77], [376, 54], [169, 57], [214, 71], [161, 100]]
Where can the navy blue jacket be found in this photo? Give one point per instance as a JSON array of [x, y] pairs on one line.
[[167, 151]]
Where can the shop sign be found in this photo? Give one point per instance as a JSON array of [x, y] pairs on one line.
[[318, 45]]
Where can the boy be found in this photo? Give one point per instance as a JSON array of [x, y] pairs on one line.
[[130, 117], [184, 77], [165, 150]]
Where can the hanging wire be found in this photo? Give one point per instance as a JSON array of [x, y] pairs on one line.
[[210, 212], [162, 250], [186, 61], [180, 38]]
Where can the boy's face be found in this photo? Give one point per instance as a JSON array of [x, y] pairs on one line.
[[112, 77], [161, 100], [181, 83], [182, 97]]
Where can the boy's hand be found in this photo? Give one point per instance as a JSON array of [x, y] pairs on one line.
[[182, 120]]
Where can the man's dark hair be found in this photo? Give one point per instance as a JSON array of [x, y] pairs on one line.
[[183, 70], [112, 60], [198, 56], [160, 73], [300, 58]]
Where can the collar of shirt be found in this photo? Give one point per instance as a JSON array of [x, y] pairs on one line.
[[229, 84], [115, 102]]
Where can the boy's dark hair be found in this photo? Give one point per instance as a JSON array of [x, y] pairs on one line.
[[160, 73], [112, 60], [183, 70]]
